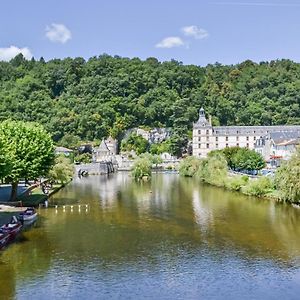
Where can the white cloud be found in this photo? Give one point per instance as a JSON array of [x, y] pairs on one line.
[[195, 32], [170, 42], [58, 33], [10, 52]]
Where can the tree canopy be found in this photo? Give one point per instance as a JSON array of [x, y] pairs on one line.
[[30, 149], [106, 95]]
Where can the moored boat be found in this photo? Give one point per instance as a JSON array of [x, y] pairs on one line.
[[12, 228], [29, 215], [4, 239]]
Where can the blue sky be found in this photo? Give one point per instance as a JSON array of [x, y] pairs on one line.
[[191, 31]]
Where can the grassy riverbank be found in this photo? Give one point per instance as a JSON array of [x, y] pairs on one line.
[[37, 196], [214, 170]]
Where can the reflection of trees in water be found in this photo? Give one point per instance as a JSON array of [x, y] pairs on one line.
[[259, 228], [129, 219]]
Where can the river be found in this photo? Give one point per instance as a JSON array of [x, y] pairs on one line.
[[171, 238]]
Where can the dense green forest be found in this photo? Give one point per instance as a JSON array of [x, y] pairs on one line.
[[107, 95]]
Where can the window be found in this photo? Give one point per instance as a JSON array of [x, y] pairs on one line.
[[217, 145], [237, 144], [199, 138], [207, 146], [207, 138], [237, 138], [254, 138], [199, 145], [247, 145], [207, 131], [217, 138], [226, 138], [226, 145], [247, 138]]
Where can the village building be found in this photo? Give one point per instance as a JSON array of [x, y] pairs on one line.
[[277, 146], [63, 151], [207, 137], [106, 151]]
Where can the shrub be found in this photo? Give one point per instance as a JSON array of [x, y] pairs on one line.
[[141, 168], [213, 170], [258, 187], [236, 183], [189, 166]]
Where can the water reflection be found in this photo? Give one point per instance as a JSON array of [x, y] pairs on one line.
[[169, 238]]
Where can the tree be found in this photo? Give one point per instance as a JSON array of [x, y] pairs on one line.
[[136, 143], [287, 179], [189, 166], [246, 159], [31, 149], [141, 168], [62, 171]]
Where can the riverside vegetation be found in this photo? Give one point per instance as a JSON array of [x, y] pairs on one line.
[[284, 186], [78, 100], [27, 152]]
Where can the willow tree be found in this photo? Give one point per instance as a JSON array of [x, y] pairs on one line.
[[30, 149]]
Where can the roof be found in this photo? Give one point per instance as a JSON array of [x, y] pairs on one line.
[[202, 121], [62, 149], [103, 147], [283, 138]]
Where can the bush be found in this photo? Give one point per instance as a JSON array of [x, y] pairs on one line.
[[141, 168], [258, 187], [213, 170], [236, 183], [287, 179], [62, 171], [189, 166]]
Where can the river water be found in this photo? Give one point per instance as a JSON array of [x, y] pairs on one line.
[[171, 238]]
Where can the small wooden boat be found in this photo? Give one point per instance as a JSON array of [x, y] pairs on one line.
[[4, 239], [12, 228], [29, 215]]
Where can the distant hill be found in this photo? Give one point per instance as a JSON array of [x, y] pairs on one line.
[[107, 95]]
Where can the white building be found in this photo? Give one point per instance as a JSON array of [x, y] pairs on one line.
[[277, 146], [207, 137]]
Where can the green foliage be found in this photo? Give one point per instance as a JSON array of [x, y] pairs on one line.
[[213, 170], [242, 158], [189, 166], [246, 159], [154, 159], [62, 171], [235, 183], [287, 179], [160, 148], [107, 95], [30, 149], [258, 187], [141, 168], [136, 143], [84, 158], [69, 141]]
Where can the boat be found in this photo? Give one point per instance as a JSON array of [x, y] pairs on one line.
[[29, 215], [12, 228], [4, 239]]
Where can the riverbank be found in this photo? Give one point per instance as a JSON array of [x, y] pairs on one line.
[[214, 171], [37, 196]]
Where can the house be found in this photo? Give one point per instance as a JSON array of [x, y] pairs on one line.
[[277, 146], [106, 151], [207, 137]]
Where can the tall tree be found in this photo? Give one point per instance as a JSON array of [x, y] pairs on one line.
[[31, 148]]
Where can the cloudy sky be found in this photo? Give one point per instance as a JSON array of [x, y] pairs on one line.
[[192, 31]]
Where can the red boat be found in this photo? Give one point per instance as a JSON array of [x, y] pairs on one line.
[[12, 228], [4, 239]]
